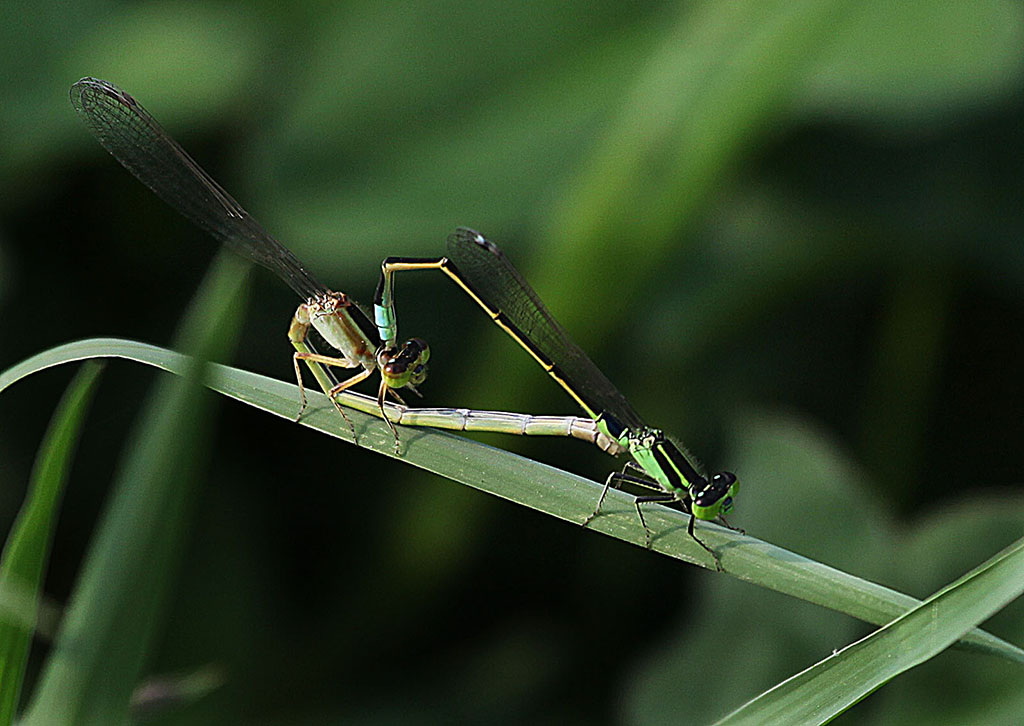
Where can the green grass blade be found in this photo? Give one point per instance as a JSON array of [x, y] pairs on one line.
[[117, 605], [540, 487], [23, 563], [833, 685]]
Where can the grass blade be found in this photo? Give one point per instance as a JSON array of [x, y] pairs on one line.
[[833, 685], [23, 564], [117, 605], [540, 487]]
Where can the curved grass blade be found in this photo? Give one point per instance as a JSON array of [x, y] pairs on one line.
[[546, 489]]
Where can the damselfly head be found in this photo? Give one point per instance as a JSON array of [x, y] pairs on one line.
[[716, 497], [406, 366], [328, 303]]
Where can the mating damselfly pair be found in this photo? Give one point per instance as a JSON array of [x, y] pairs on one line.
[[476, 265]]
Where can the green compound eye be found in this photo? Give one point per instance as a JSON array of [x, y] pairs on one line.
[[408, 365], [418, 375], [715, 499]]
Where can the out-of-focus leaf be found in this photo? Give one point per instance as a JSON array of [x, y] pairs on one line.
[[23, 563], [117, 607], [712, 85], [919, 61], [199, 55]]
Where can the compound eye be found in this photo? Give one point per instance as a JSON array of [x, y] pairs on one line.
[[406, 366], [395, 376], [416, 349]]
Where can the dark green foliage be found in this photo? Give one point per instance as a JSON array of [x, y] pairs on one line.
[[788, 231]]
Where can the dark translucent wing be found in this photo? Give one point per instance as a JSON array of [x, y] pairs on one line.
[[136, 140], [498, 283]]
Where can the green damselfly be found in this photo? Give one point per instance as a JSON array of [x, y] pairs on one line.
[[481, 269]]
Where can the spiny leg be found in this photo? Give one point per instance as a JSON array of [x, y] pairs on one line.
[[617, 476], [298, 332], [734, 529], [693, 535], [318, 372], [600, 499], [344, 385], [381, 393], [405, 367], [659, 498], [315, 359], [665, 499], [394, 394]]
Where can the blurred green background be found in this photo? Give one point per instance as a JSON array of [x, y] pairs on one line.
[[790, 231]]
